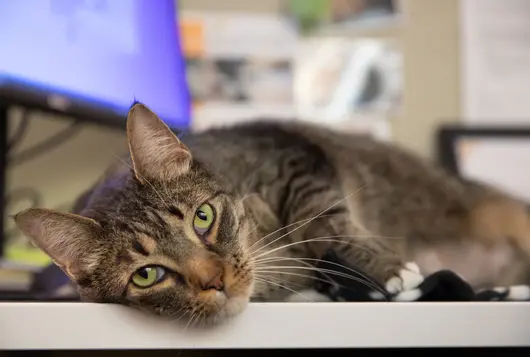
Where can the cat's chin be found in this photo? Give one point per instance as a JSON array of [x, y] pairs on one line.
[[231, 308], [233, 301]]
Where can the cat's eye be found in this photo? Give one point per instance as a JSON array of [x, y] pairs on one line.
[[148, 276], [203, 220]]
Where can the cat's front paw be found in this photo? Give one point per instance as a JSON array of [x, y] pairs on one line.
[[408, 278]]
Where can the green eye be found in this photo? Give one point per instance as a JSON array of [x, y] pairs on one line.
[[148, 276], [203, 219]]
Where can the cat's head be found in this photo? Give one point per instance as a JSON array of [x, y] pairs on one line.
[[173, 239]]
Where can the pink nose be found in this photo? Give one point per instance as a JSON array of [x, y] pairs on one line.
[[215, 282], [205, 272]]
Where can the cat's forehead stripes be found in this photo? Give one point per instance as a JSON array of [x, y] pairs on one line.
[[175, 211], [155, 217], [139, 248], [192, 198], [144, 244]]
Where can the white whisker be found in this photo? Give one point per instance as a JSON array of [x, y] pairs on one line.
[[272, 260], [318, 239], [283, 286], [190, 320], [279, 279], [202, 319], [176, 312], [294, 274], [312, 219], [331, 272], [282, 228], [304, 261]]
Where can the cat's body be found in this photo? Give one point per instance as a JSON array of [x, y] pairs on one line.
[[298, 171], [373, 203]]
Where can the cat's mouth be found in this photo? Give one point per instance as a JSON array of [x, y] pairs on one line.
[[219, 305], [235, 296], [232, 306]]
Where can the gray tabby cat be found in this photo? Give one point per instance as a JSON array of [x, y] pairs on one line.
[[201, 226]]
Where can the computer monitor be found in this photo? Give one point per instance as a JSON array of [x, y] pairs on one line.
[[497, 156], [93, 58]]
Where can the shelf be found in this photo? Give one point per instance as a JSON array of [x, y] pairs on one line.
[[47, 326]]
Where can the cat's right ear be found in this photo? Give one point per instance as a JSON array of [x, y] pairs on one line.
[[70, 240], [156, 152]]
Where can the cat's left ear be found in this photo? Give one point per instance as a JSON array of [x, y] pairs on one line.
[[72, 241], [156, 152]]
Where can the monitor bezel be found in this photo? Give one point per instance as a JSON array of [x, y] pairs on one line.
[[449, 135], [69, 106], [82, 108]]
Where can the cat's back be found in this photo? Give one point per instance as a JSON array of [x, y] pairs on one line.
[[356, 153], [372, 163], [397, 190], [233, 152], [253, 147], [402, 194], [391, 181]]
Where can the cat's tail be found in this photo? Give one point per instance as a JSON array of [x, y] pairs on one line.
[[501, 219]]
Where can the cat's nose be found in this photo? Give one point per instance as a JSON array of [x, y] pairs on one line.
[[205, 272], [212, 282]]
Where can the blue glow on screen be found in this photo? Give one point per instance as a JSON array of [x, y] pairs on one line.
[[108, 51]]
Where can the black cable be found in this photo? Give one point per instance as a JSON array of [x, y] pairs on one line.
[[33, 196], [36, 198], [23, 193], [48, 144], [21, 131], [29, 194]]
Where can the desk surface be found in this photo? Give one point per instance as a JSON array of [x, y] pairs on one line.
[[277, 325]]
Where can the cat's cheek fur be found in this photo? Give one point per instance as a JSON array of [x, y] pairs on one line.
[[239, 280]]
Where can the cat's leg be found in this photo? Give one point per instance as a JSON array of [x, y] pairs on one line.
[[318, 214], [378, 257]]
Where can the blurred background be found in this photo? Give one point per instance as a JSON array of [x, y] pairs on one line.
[[445, 79]]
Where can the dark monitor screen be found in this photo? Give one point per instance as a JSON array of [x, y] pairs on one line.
[[496, 156], [93, 57]]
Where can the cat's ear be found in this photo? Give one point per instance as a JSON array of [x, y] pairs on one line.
[[156, 152], [69, 239]]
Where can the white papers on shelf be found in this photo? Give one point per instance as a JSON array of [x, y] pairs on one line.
[[238, 63], [495, 61], [503, 163]]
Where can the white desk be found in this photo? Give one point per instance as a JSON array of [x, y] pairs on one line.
[[299, 325]]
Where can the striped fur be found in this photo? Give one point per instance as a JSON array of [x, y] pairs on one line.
[[284, 194]]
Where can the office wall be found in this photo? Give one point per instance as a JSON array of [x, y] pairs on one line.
[[432, 60], [430, 40], [431, 48]]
